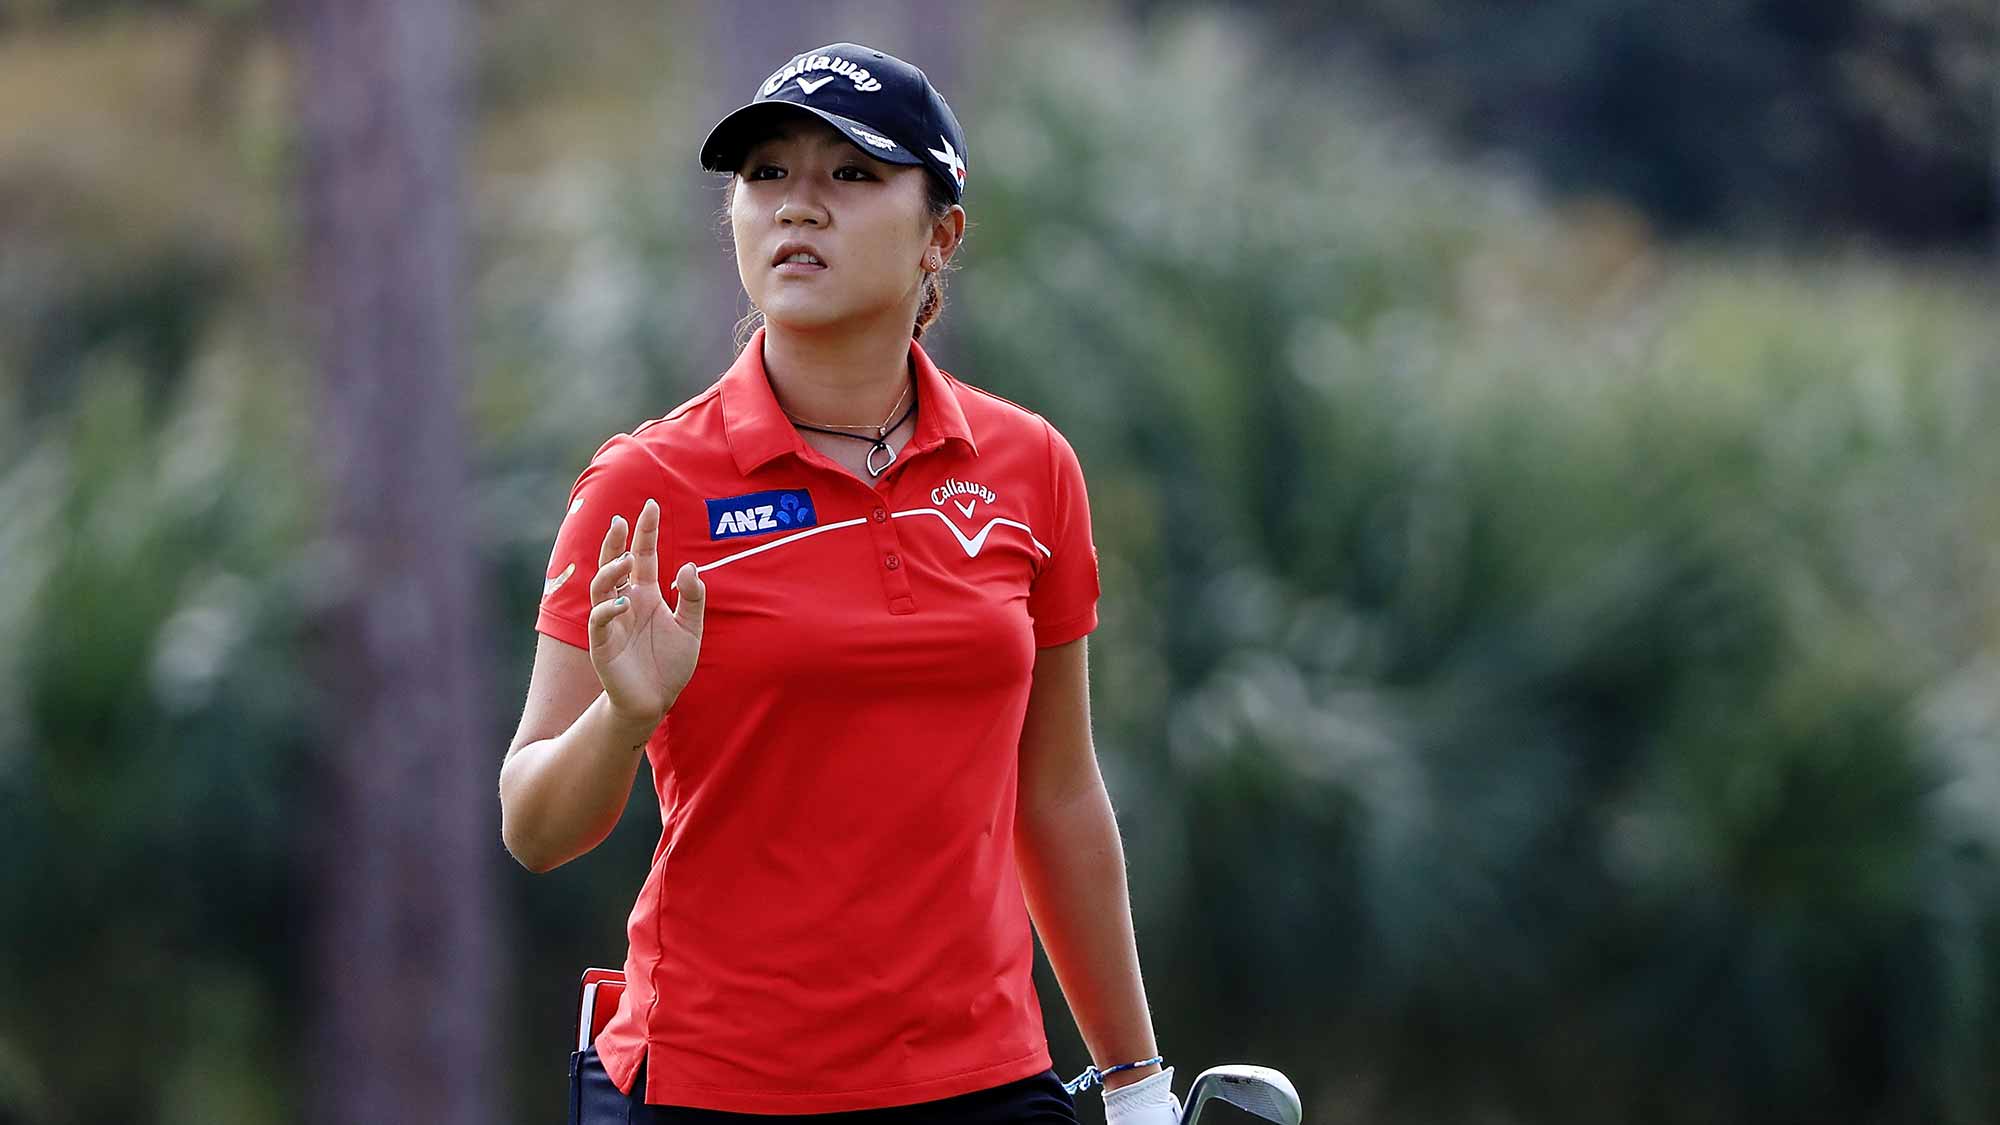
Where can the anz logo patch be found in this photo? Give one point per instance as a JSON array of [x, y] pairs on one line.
[[758, 512]]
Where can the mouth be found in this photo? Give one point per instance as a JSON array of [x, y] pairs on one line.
[[797, 258]]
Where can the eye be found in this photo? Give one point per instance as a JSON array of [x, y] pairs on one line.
[[860, 173], [757, 173]]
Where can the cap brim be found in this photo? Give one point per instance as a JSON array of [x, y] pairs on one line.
[[723, 150]]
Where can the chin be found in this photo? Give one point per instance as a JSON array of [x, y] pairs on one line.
[[803, 316], [789, 312]]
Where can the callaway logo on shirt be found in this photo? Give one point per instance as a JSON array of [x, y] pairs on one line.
[[971, 489]]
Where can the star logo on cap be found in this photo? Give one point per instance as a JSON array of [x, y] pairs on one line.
[[950, 156]]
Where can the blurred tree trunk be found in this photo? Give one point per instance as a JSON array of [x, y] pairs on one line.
[[404, 844]]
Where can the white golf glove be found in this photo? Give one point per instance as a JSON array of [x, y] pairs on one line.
[[1149, 1101]]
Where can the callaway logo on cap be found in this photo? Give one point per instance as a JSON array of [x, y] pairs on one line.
[[885, 106]]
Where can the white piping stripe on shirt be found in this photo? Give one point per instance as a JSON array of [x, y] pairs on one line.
[[976, 543], [972, 546], [778, 542]]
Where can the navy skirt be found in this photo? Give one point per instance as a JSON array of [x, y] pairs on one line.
[[1036, 1100]]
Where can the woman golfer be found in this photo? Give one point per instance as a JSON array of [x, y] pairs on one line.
[[863, 700]]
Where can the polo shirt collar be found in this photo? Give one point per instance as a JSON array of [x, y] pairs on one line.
[[759, 432]]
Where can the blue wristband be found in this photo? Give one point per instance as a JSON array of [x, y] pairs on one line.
[[1092, 1076]]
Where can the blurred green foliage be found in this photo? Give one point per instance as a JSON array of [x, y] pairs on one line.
[[1545, 674]]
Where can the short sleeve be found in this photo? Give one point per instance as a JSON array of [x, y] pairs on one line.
[[1063, 600], [618, 481]]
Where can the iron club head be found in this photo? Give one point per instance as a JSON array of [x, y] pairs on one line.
[[1257, 1090]]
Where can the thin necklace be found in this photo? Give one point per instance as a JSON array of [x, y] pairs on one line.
[[879, 430], [879, 440]]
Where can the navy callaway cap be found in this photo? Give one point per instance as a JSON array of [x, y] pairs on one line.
[[885, 106]]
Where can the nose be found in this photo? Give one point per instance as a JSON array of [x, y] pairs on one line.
[[795, 209]]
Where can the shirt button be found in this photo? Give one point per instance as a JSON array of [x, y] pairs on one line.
[[879, 515], [892, 562]]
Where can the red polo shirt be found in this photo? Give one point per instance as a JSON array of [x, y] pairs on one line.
[[833, 919]]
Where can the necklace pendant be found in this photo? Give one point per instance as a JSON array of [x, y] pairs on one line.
[[880, 447]]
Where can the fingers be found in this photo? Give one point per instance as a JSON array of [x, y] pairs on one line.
[[601, 616], [614, 541], [608, 578], [694, 598], [646, 543]]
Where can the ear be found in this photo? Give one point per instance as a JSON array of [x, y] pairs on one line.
[[946, 234]]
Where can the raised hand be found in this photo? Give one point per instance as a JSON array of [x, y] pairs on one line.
[[644, 652]]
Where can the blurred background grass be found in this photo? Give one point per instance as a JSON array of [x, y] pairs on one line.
[[1543, 472]]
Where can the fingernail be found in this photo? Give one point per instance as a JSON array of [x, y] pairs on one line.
[[622, 601]]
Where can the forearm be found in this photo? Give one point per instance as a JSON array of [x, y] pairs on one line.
[[561, 796], [1073, 876]]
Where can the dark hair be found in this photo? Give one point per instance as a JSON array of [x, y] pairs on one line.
[[938, 204]]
